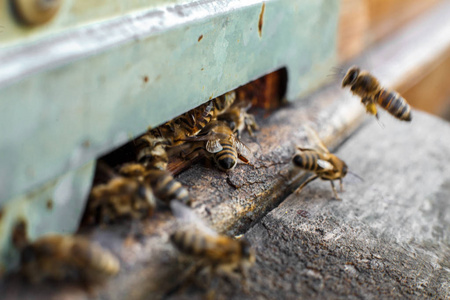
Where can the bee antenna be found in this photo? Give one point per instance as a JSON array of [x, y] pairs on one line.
[[356, 175], [336, 72]]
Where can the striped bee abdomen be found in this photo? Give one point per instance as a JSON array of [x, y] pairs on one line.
[[189, 242], [394, 104], [166, 188], [307, 160], [226, 159], [196, 119]]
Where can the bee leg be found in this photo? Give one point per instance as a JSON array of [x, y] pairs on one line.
[[250, 123], [188, 277], [244, 281], [299, 189], [378, 120], [334, 191], [341, 185]]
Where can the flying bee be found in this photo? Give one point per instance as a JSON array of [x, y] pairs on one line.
[[218, 140], [65, 257], [366, 86], [164, 186], [321, 162], [211, 250], [173, 133], [120, 198]]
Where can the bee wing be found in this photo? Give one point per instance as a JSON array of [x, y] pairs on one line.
[[317, 142], [206, 137], [187, 217], [245, 154], [213, 146], [325, 165]]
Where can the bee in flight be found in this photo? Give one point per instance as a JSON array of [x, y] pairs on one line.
[[63, 257], [211, 250], [218, 140], [366, 86], [321, 162]]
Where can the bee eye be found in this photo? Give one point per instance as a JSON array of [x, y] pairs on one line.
[[353, 76], [142, 192], [344, 170], [232, 125], [28, 255]]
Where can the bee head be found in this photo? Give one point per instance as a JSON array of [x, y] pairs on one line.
[[351, 76], [344, 170], [247, 251], [28, 255]]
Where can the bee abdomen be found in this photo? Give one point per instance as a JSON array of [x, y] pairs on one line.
[[166, 188], [189, 242], [395, 104], [306, 160], [104, 261], [227, 157]]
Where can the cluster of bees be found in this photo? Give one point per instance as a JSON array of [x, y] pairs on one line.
[[136, 189]]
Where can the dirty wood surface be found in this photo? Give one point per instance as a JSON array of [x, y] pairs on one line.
[[236, 201], [388, 238]]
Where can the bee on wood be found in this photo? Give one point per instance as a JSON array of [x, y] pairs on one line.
[[65, 257], [218, 140], [211, 250], [366, 86], [164, 186], [173, 133], [239, 119], [321, 162], [120, 198]]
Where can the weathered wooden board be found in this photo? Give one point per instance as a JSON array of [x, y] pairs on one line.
[[236, 201], [389, 237]]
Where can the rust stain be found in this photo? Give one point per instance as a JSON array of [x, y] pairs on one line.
[[200, 37], [19, 234], [1, 213], [49, 204], [145, 79], [203, 69], [86, 143], [261, 19]]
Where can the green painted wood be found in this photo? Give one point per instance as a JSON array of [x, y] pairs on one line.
[[99, 75], [75, 96]]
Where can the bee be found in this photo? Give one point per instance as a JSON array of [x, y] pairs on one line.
[[65, 257], [120, 198], [366, 86], [239, 119], [218, 140], [164, 186], [321, 162], [173, 133], [218, 252]]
